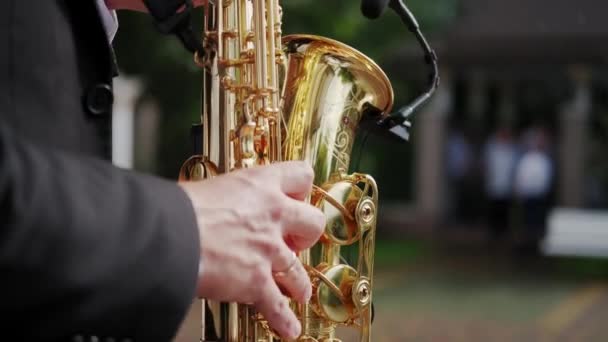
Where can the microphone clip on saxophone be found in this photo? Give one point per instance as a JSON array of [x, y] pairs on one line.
[[398, 123]]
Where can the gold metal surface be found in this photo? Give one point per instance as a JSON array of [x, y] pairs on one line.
[[197, 167], [268, 98], [332, 294]]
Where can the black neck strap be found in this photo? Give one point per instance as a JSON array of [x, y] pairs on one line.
[[174, 17]]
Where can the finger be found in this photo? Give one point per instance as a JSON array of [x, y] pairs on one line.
[[295, 178], [295, 282], [275, 309], [291, 276], [302, 224]]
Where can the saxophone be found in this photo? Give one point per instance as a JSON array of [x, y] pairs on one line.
[[268, 98]]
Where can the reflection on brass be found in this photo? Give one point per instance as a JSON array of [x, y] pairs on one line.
[[332, 299], [197, 167], [268, 98]]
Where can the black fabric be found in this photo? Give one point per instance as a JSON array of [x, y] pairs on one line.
[[174, 17], [163, 9], [86, 249]]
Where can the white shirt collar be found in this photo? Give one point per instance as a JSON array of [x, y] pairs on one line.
[[109, 19]]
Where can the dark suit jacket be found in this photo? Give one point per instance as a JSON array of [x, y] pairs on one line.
[[86, 249]]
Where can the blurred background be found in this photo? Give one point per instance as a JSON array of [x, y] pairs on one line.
[[494, 217]]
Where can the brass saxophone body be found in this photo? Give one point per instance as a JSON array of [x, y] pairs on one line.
[[268, 98]]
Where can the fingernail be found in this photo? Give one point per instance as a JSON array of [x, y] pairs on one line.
[[295, 331], [322, 220], [307, 294]]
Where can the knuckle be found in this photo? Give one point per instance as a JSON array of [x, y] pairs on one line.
[[253, 224], [259, 222], [275, 195], [277, 213], [271, 196], [276, 312], [270, 247], [291, 211], [259, 278], [278, 308], [283, 211]]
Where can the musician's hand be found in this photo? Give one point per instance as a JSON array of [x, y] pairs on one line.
[[250, 222], [136, 5]]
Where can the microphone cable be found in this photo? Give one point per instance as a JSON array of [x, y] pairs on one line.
[[398, 122], [430, 57]]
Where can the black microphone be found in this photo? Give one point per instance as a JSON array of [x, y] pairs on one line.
[[372, 9], [398, 123]]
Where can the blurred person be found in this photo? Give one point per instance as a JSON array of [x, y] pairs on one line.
[[88, 249], [534, 178], [499, 160]]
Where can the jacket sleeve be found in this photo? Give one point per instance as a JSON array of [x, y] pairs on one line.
[[90, 249]]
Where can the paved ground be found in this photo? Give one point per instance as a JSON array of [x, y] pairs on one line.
[[477, 294], [466, 293]]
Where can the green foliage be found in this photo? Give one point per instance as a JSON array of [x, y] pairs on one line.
[[389, 253], [342, 20], [583, 267]]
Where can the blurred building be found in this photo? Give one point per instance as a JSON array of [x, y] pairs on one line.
[[516, 64]]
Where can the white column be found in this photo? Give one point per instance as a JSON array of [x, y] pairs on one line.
[[147, 123], [429, 132], [126, 93], [573, 116]]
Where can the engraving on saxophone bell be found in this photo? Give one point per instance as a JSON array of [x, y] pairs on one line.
[[269, 98]]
